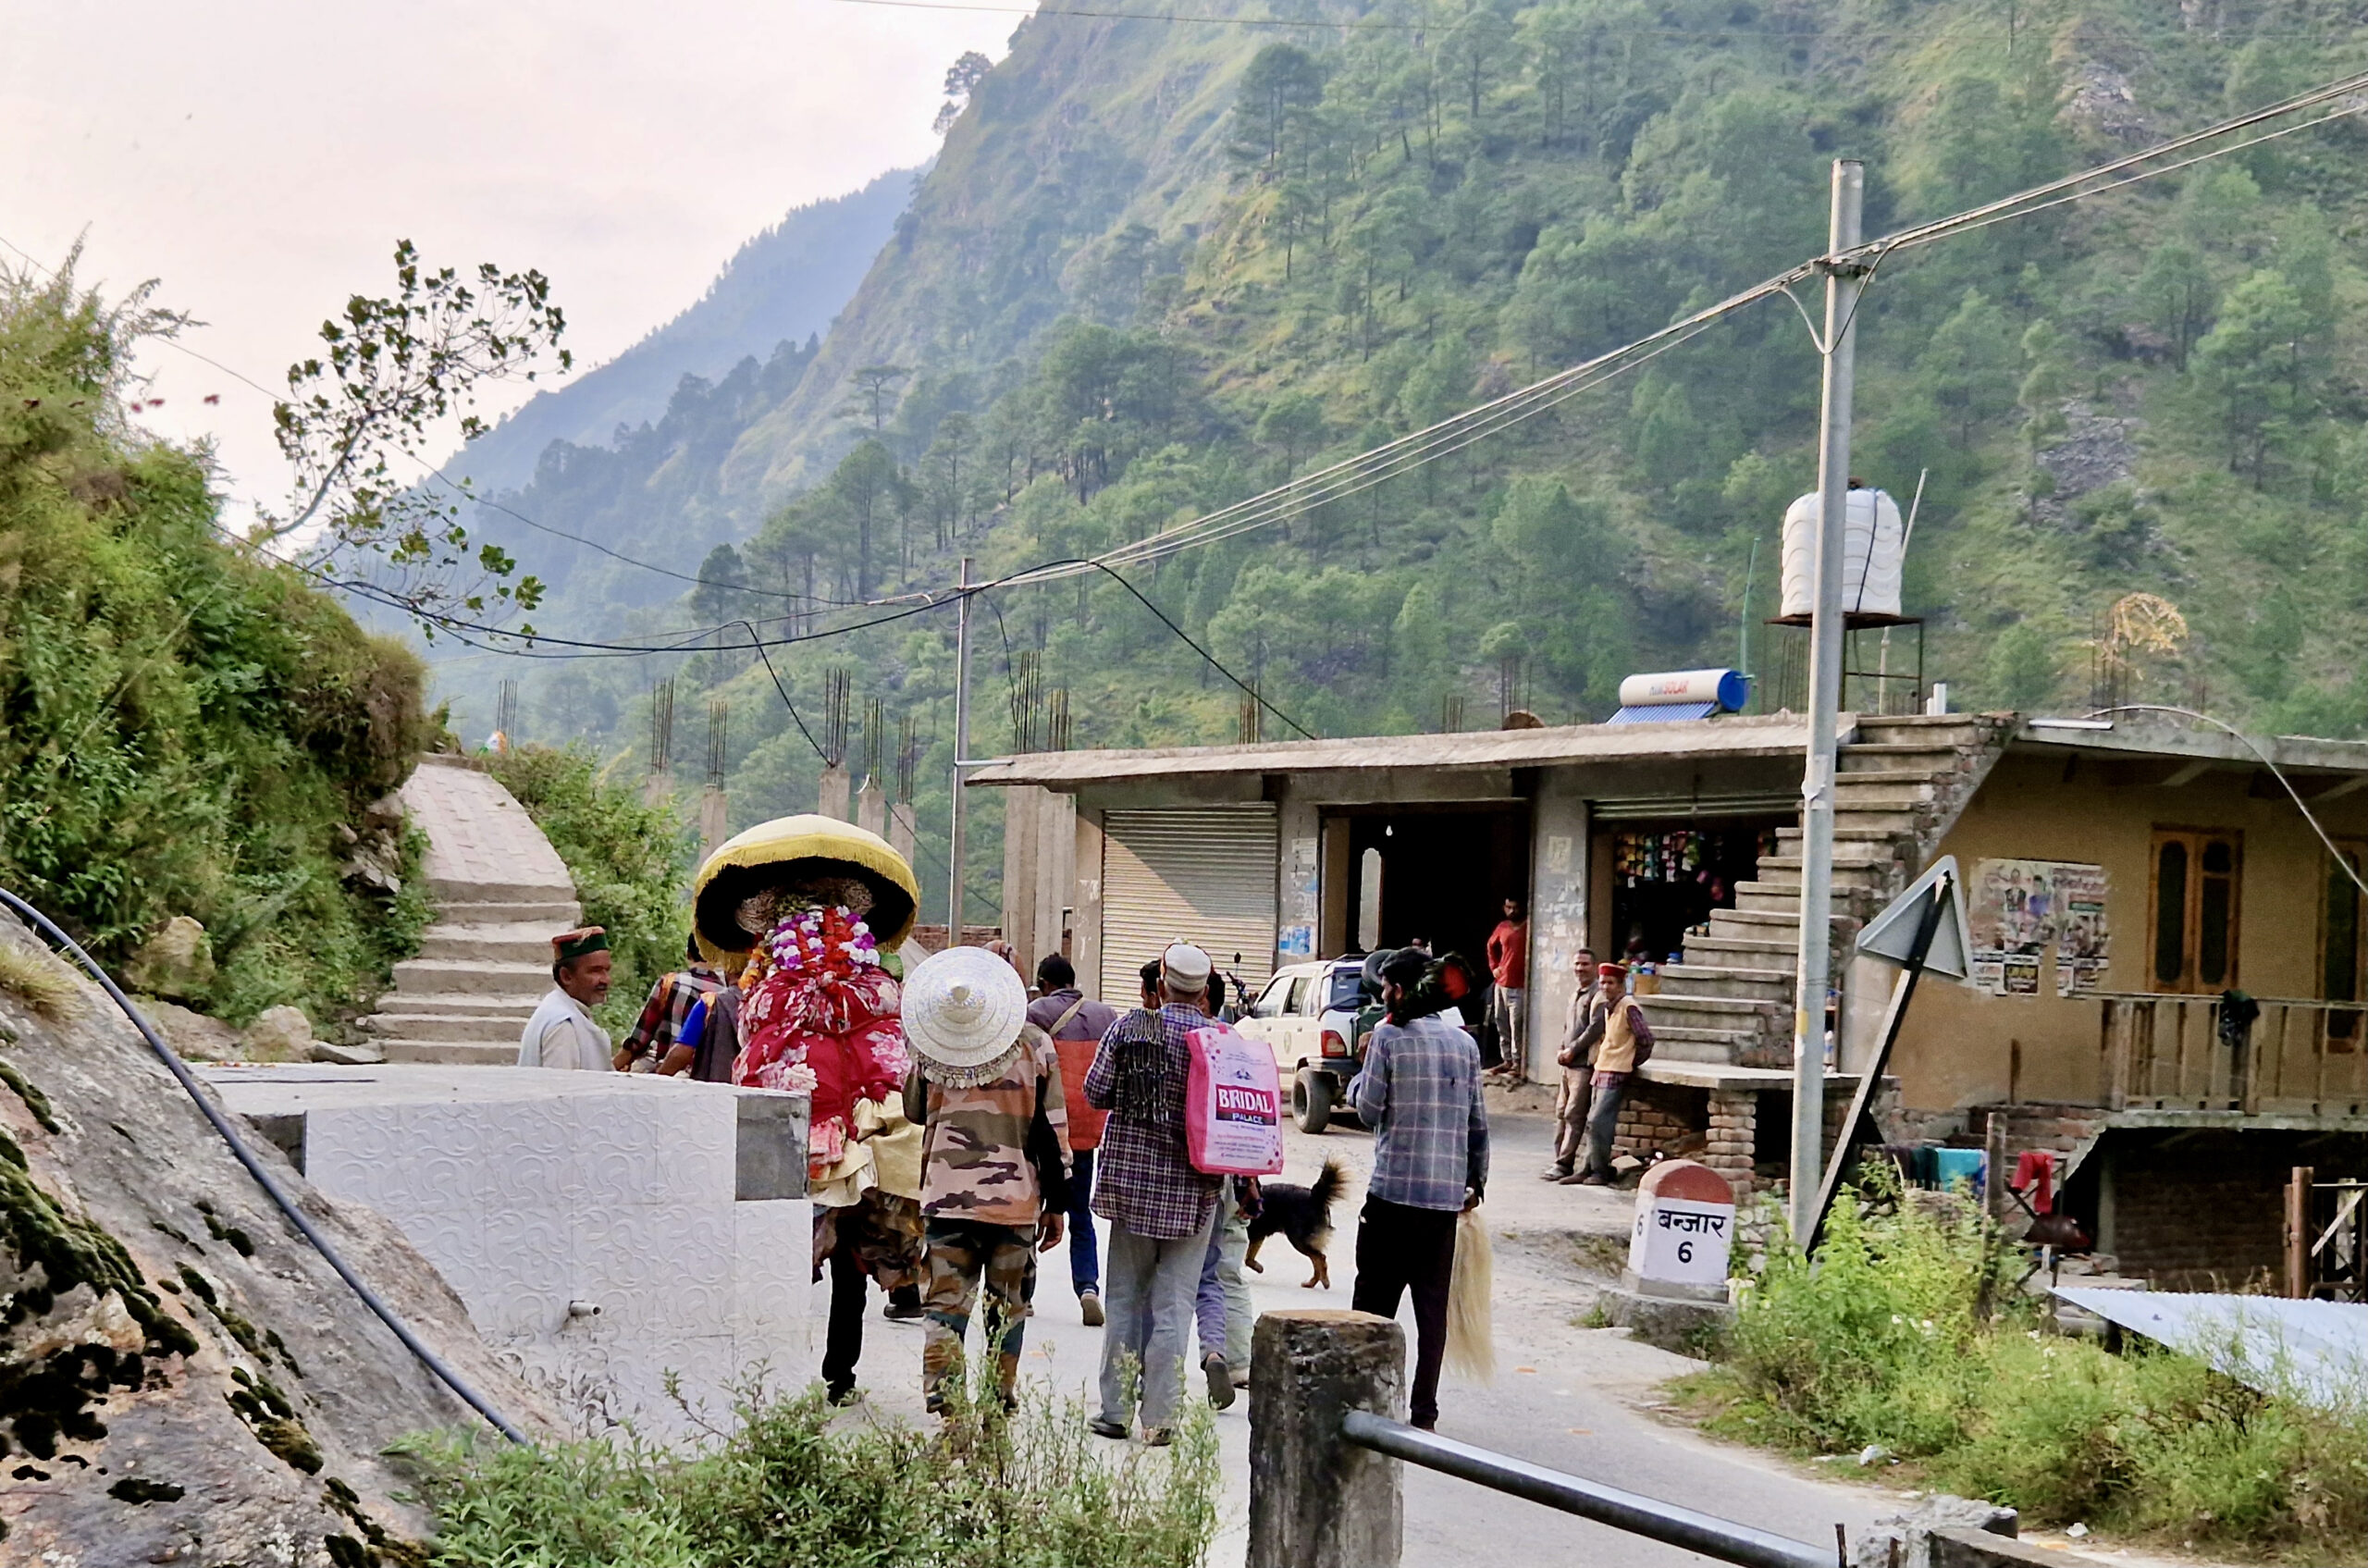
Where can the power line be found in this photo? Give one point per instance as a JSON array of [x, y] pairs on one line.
[[1455, 24]]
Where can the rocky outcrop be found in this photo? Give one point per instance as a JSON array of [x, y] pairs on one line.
[[182, 1378]]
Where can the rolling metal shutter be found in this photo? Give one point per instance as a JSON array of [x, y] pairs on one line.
[[1676, 807], [1203, 874]]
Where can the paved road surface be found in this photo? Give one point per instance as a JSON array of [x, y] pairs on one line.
[[1565, 1396]]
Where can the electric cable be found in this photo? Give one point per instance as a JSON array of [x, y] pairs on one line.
[[270, 1183], [2266, 760]]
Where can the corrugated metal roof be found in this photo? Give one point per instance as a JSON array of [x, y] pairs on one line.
[[1733, 736], [2316, 1351]]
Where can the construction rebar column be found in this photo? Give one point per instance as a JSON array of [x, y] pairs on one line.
[[1842, 285], [961, 755]]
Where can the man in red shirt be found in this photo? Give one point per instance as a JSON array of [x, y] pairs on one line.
[[1509, 967], [1077, 1026]]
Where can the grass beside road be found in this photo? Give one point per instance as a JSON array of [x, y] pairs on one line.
[[1908, 1336], [790, 1484]]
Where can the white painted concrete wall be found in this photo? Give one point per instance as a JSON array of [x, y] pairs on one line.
[[533, 1191]]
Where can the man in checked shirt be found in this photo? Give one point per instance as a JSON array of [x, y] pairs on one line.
[[657, 1044], [1420, 1092], [1159, 1207]]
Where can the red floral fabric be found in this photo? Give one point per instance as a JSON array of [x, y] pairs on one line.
[[823, 1019]]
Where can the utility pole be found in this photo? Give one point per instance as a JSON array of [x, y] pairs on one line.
[[1842, 287], [962, 753]]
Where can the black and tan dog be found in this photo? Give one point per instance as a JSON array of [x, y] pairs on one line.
[[1301, 1216]]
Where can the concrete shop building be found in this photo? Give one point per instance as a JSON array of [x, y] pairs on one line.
[[2120, 876]]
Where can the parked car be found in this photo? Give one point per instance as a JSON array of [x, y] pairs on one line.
[[1307, 1014]]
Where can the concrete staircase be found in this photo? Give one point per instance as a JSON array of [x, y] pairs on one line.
[[1899, 785], [501, 892]]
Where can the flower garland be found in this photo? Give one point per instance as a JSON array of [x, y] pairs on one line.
[[817, 975]]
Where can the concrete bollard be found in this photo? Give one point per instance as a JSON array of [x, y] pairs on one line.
[[1316, 1499]]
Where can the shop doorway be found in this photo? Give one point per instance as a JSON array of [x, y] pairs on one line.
[[1667, 877], [1440, 874]]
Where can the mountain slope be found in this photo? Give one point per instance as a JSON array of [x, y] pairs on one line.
[[1162, 266], [786, 285]]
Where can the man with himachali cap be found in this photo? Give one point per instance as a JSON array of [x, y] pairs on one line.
[[1159, 1207], [562, 1033]]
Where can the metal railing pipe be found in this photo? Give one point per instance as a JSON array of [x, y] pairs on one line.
[[1638, 1516]]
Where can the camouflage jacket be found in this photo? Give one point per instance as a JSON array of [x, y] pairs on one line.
[[975, 1159]]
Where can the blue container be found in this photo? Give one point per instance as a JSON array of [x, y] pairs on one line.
[[1953, 1165]]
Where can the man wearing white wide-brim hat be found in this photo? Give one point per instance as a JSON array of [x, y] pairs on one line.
[[986, 1089]]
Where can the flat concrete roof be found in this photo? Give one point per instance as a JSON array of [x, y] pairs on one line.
[[1778, 736], [2166, 735], [1781, 734]]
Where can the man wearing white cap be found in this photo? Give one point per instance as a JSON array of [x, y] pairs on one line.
[[1159, 1207], [986, 1088]]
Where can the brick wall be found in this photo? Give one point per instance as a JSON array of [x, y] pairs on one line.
[[2206, 1210], [1735, 1122], [1669, 1118]]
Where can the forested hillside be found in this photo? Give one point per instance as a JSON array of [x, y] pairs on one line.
[[783, 285], [1162, 266]]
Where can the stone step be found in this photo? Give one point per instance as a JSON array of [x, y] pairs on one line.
[[1926, 757], [1852, 821], [1954, 730], [510, 943], [460, 1003], [557, 915], [443, 891], [483, 1027], [1722, 1049], [1857, 778], [1849, 796], [453, 1053], [1688, 1031], [1691, 1011], [1717, 979], [1868, 878], [447, 976], [1784, 899], [1773, 950], [1764, 924], [1849, 827]]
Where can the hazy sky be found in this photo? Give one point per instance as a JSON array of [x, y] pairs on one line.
[[262, 158]]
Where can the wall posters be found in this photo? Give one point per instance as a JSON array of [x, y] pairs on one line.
[[2025, 909]]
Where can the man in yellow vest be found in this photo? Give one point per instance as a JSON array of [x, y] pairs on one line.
[[1623, 1043]]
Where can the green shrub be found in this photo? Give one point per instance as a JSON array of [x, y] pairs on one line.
[[788, 1486], [1902, 1336], [630, 862], [184, 725]]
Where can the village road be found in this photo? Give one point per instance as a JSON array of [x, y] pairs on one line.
[[1576, 1399]]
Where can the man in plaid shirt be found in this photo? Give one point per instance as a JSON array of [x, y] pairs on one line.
[[656, 1043], [1420, 1092], [1159, 1207]]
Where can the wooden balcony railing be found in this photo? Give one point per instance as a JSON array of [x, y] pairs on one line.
[[2300, 1058]]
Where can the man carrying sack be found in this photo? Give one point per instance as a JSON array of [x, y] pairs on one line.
[[1420, 1092], [986, 1089]]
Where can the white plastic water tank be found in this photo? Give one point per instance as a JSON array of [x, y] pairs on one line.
[[1871, 540]]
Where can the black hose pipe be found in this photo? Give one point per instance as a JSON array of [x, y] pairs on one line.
[[270, 1183]]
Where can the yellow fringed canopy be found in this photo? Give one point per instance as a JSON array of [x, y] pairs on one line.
[[809, 844]]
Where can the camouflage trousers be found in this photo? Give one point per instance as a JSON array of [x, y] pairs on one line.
[[962, 1253]]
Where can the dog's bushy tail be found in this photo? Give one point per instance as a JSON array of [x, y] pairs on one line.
[[1324, 1191]]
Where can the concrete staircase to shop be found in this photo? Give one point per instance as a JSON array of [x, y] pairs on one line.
[[1900, 783], [501, 893]]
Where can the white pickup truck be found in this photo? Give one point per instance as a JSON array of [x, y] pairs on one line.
[[1307, 1014]]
